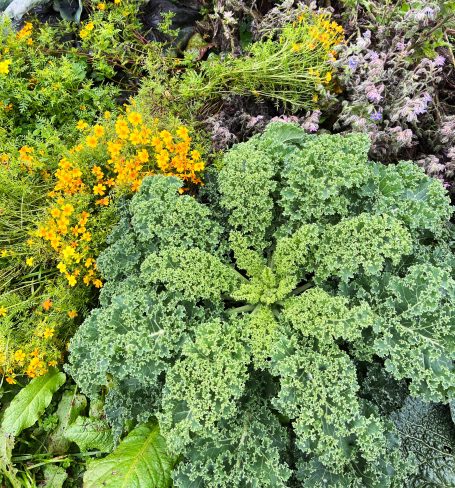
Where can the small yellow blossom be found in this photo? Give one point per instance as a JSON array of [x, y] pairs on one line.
[[71, 279], [81, 125], [29, 261], [101, 6], [10, 380], [99, 189], [98, 130], [135, 118], [48, 332], [19, 356], [72, 314], [3, 311], [4, 66], [52, 363], [91, 141]]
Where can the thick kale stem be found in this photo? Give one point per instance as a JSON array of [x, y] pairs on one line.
[[243, 308], [302, 288]]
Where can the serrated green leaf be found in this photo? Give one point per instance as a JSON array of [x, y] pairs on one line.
[[90, 433], [28, 405], [140, 461]]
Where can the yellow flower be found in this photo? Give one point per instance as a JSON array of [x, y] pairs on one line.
[[199, 166], [61, 267], [48, 332], [90, 26], [72, 314], [107, 115], [182, 132], [315, 97], [98, 283], [91, 141], [52, 363], [98, 130], [10, 380], [143, 155], [29, 261], [2, 311], [296, 47], [71, 279], [135, 118], [101, 6], [328, 76], [99, 189], [4, 253], [19, 356], [68, 252], [81, 125], [4, 66]]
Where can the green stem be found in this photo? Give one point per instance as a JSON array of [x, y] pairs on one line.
[[302, 288], [243, 308]]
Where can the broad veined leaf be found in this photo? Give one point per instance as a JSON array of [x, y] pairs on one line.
[[427, 432], [89, 433], [28, 405], [140, 461], [70, 407]]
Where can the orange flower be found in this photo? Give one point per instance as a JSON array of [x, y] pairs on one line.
[[47, 304]]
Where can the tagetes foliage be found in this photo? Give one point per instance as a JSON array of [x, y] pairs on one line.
[[241, 322], [112, 160]]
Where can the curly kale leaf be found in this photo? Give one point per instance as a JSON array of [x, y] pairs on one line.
[[245, 451], [407, 193], [321, 179], [416, 333], [203, 386], [311, 264]]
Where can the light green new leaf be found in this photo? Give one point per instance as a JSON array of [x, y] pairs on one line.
[[31, 401], [89, 433], [140, 461]]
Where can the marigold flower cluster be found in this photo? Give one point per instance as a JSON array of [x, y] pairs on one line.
[[26, 33], [112, 158]]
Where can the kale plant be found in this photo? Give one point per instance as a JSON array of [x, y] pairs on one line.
[[243, 323]]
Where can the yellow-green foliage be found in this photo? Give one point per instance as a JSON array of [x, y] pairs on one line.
[[293, 70]]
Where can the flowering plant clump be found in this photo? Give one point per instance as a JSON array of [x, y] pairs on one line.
[[392, 77], [293, 70], [111, 160], [42, 90], [38, 313]]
